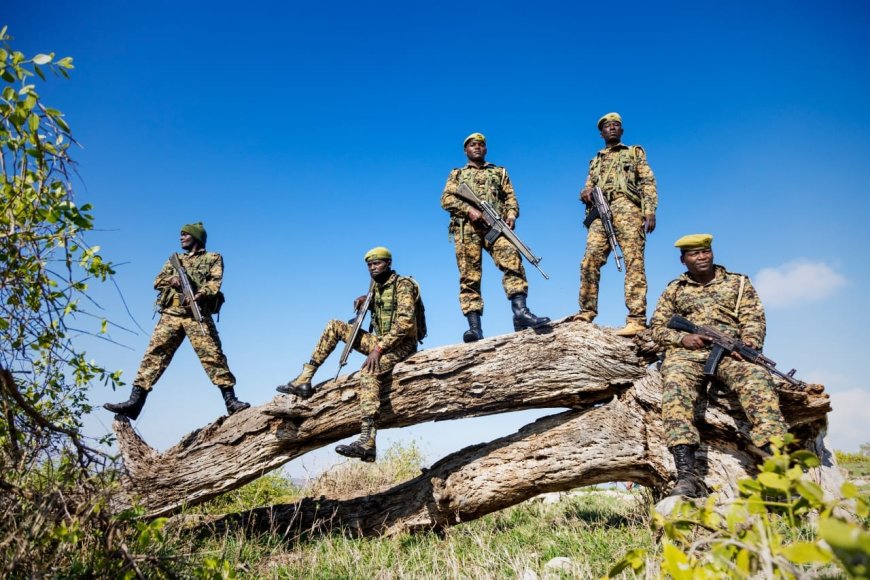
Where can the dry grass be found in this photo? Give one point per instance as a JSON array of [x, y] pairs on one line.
[[354, 478]]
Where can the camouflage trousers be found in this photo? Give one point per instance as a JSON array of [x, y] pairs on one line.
[[369, 383], [469, 253], [167, 337], [683, 377], [628, 224]]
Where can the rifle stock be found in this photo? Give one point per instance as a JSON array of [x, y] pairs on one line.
[[498, 227], [187, 290], [354, 331]]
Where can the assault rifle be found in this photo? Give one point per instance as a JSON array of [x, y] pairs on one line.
[[722, 343], [600, 209], [187, 290], [498, 227], [354, 330]]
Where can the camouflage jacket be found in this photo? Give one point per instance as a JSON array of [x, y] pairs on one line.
[[728, 303], [622, 170], [393, 314], [491, 183], [206, 273]]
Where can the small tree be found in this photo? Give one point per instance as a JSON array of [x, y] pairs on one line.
[[54, 489]]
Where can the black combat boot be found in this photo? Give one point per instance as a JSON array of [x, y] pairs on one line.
[[474, 332], [523, 318], [233, 404], [132, 406], [301, 385], [364, 447], [688, 483]]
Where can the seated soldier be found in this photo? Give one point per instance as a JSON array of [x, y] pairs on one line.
[[394, 310], [707, 294]]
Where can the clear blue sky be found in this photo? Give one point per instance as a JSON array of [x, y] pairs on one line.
[[303, 134]]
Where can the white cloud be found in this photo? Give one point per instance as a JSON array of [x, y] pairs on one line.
[[797, 283], [847, 423]]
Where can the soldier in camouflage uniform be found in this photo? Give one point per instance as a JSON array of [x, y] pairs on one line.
[[628, 184], [467, 228], [206, 272], [394, 322], [709, 295]]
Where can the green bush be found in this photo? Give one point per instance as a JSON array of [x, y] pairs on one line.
[[768, 531]]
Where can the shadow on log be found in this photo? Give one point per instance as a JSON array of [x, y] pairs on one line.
[[612, 433]]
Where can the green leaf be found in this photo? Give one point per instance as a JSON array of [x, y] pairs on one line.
[[807, 553], [849, 490], [33, 122], [676, 563], [774, 480], [634, 559], [806, 458], [811, 491], [43, 58], [843, 535], [62, 124]]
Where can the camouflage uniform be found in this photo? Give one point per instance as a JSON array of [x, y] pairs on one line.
[[730, 304], [492, 184], [206, 272], [629, 186], [393, 330]]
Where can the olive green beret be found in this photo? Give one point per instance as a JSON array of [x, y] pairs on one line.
[[379, 253], [474, 137], [609, 117], [694, 242], [196, 230]]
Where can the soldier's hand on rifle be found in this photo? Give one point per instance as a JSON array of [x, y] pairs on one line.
[[372, 364], [474, 214], [175, 282], [358, 302], [694, 341], [586, 195], [649, 223], [510, 221]]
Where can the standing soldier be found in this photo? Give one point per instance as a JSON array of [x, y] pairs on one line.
[[709, 295], [629, 186], [206, 272], [467, 228], [398, 324]]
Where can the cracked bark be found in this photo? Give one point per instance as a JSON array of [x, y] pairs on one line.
[[611, 432]]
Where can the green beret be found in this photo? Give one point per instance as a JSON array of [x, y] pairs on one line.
[[379, 253], [196, 230], [609, 117], [474, 137], [694, 242]]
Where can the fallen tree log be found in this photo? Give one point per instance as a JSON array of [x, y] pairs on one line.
[[571, 365], [617, 441]]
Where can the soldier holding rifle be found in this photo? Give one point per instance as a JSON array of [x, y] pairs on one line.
[[629, 187], [188, 294], [711, 297], [396, 321], [469, 229]]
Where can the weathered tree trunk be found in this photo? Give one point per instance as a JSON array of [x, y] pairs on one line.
[[613, 433]]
